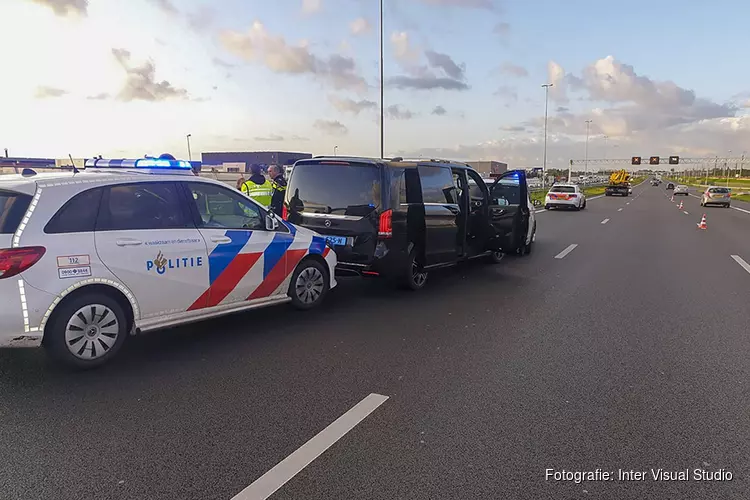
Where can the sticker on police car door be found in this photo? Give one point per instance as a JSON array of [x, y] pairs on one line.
[[73, 260], [74, 272]]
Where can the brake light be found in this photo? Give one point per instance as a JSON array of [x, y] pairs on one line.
[[14, 261], [335, 163], [284, 213], [385, 229], [573, 195]]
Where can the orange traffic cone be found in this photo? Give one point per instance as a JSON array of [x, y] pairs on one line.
[[672, 199], [702, 224], [680, 207]]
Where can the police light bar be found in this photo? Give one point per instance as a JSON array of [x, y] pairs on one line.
[[144, 163]]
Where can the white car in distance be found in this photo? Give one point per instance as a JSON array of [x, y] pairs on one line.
[[565, 196]]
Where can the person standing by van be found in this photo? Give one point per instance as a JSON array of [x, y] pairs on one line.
[[258, 187], [276, 173]]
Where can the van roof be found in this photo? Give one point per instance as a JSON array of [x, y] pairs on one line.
[[398, 161]]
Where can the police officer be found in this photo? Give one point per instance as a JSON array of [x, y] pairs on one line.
[[258, 187], [279, 188]]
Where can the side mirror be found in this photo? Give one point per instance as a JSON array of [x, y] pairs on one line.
[[272, 224]]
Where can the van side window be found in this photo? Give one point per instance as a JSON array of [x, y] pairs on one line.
[[77, 215], [437, 185], [405, 186]]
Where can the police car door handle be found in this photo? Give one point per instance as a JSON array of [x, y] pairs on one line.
[[221, 239], [128, 242]]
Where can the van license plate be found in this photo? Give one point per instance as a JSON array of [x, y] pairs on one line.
[[336, 240]]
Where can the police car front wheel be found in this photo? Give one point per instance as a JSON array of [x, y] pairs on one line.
[[86, 331], [309, 284]]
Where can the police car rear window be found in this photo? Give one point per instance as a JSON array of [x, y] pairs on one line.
[[718, 190], [12, 209], [353, 189], [563, 189]]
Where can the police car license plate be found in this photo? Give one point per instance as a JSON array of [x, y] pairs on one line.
[[336, 240]]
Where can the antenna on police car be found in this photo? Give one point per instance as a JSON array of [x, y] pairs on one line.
[[75, 170]]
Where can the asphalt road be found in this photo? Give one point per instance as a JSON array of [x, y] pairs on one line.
[[630, 352]]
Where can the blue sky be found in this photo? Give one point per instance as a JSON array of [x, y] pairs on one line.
[[128, 78]]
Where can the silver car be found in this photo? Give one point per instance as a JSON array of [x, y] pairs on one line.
[[715, 195], [681, 189]]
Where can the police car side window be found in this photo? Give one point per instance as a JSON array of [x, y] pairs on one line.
[[142, 205], [222, 208], [77, 215]]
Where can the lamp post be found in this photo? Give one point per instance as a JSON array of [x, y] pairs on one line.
[[335, 148], [546, 87], [190, 155], [586, 162], [382, 106], [606, 137], [726, 164]]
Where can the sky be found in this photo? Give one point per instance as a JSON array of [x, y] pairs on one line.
[[463, 78]]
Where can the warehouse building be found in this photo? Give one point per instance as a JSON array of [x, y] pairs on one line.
[[489, 168], [241, 161]]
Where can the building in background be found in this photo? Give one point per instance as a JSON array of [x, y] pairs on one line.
[[223, 162], [489, 168], [8, 165]]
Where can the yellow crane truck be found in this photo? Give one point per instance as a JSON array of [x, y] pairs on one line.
[[619, 183]]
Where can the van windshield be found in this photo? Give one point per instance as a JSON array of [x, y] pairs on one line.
[[353, 189], [12, 209]]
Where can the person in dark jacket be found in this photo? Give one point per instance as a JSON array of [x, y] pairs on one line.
[[276, 173], [258, 187]]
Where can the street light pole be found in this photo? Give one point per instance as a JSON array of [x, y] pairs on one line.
[[190, 155], [586, 163], [605, 146], [382, 105], [726, 164], [546, 87], [335, 148], [742, 162]]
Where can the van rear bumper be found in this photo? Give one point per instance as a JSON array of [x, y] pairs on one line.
[[386, 262]]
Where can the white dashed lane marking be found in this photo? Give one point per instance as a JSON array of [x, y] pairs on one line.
[[739, 260], [267, 484], [565, 252], [605, 221]]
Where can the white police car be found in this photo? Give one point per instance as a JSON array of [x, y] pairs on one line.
[[131, 246]]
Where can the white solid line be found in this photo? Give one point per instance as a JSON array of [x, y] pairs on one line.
[[741, 210], [267, 484], [540, 211], [741, 262], [619, 209], [605, 221], [595, 197], [566, 251]]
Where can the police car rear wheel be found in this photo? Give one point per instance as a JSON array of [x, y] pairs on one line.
[[86, 331], [309, 285]]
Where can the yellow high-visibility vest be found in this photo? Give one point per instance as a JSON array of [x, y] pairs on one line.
[[262, 193]]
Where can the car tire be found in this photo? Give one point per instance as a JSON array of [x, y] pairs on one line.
[[548, 207], [583, 207], [103, 328], [309, 284], [727, 205], [415, 277], [530, 246]]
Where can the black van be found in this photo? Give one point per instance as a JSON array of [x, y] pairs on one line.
[[399, 219]]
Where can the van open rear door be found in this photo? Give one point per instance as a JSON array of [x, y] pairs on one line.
[[508, 211]]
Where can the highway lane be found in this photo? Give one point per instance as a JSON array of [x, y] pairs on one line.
[[608, 357]]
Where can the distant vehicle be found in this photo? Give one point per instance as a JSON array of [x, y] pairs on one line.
[[670, 185], [654, 182], [399, 219], [681, 189], [619, 184], [714, 195], [565, 196]]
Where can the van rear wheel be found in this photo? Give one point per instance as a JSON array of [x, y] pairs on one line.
[[416, 276]]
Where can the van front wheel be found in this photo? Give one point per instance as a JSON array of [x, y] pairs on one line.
[[416, 276]]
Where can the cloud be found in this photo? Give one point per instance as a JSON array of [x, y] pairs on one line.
[[470, 4], [257, 45], [636, 103], [562, 109], [201, 19], [140, 82], [331, 127], [221, 63], [166, 5], [66, 7], [360, 26], [441, 72], [394, 112], [352, 106], [48, 92], [270, 138], [311, 6], [508, 92], [502, 29], [514, 70], [439, 111], [513, 128], [402, 48], [99, 97]]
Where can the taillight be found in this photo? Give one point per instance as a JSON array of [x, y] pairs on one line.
[[14, 261], [573, 195], [385, 229], [284, 213]]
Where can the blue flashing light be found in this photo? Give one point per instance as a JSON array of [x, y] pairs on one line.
[[144, 163]]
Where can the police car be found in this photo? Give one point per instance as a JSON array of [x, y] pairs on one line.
[[130, 246]]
